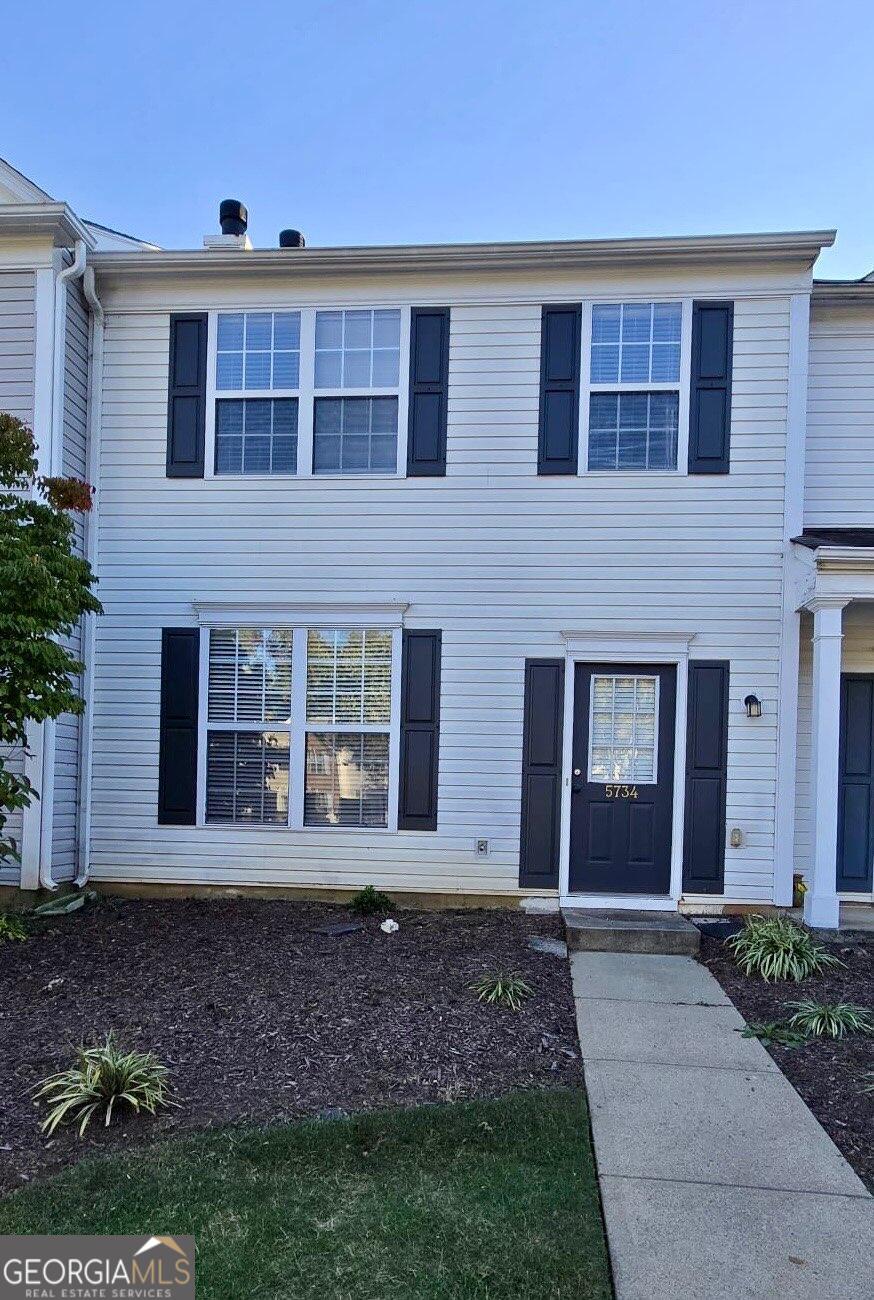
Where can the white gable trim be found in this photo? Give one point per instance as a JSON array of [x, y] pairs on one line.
[[24, 190]]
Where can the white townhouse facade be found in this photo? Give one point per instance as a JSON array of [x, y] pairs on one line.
[[494, 572]]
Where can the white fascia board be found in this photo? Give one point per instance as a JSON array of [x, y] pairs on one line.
[[842, 574], [51, 219], [852, 293], [800, 246]]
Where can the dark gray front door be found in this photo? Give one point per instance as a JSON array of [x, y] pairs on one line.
[[856, 787], [622, 781]]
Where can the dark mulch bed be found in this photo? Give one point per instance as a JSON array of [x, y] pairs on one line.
[[261, 1018], [830, 1074]]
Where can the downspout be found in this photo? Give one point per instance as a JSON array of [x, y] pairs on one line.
[[86, 730], [55, 466]]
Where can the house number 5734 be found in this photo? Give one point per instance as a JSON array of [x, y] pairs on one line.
[[621, 791]]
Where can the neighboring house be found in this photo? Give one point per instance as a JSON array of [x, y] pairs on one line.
[[508, 571]]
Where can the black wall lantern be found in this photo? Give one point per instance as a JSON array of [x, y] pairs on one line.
[[753, 706]]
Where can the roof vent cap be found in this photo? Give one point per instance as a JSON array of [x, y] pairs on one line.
[[291, 239], [233, 217]]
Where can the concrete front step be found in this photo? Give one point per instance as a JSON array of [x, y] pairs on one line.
[[592, 929]]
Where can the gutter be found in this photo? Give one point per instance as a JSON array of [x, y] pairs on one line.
[[54, 467], [534, 256], [92, 469]]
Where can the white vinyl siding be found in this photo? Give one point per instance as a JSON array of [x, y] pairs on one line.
[[839, 486], [499, 559], [17, 328], [65, 826]]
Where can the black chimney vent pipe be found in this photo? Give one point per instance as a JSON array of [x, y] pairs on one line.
[[291, 239], [233, 217]]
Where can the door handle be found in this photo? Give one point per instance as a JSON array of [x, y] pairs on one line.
[[576, 784]]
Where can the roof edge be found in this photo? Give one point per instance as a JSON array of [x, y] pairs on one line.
[[55, 219], [843, 293], [565, 254]]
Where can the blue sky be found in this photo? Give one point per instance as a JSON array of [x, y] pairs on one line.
[[394, 121]]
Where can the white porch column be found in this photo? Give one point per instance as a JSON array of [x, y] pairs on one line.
[[821, 900]]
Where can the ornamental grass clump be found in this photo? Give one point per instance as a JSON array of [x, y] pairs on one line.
[[775, 948], [511, 990], [830, 1020], [102, 1078]]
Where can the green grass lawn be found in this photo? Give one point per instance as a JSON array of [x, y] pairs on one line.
[[476, 1199]]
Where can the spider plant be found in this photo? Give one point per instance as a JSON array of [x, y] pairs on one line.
[[775, 948], [102, 1077], [497, 987], [830, 1020]]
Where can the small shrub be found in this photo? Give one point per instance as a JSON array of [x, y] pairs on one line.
[[830, 1020], [774, 1031], [370, 901], [12, 928], [496, 987], [775, 948], [103, 1076]]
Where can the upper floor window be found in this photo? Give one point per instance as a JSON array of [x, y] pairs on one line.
[[634, 385], [258, 350], [357, 350], [309, 391], [257, 353]]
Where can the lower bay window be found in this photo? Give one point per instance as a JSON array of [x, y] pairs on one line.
[[301, 726]]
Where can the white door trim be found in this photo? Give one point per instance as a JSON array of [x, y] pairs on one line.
[[630, 648]]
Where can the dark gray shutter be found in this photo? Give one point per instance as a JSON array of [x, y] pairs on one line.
[[429, 390], [420, 731], [177, 760], [710, 395], [856, 787], [186, 401], [559, 390], [706, 770], [541, 773]]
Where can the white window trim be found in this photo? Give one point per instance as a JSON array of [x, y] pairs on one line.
[[317, 617], [655, 760], [306, 393], [587, 388]]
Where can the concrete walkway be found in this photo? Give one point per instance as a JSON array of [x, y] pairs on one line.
[[716, 1179]]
